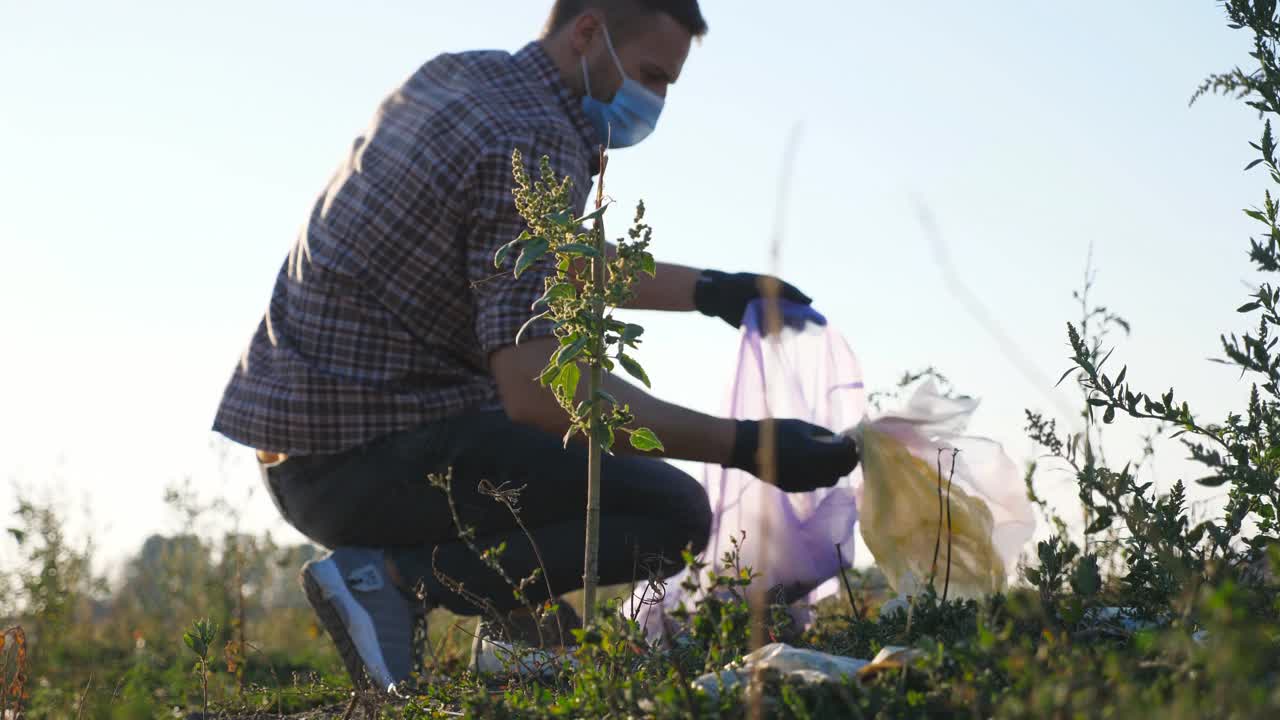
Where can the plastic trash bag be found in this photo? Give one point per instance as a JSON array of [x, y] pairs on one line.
[[801, 542], [806, 372], [918, 468], [808, 667]]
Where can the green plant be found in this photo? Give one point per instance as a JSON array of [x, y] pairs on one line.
[[56, 580], [518, 662], [1166, 554], [200, 640], [588, 283]]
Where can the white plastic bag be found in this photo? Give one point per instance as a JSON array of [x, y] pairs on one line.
[[937, 503], [802, 541]]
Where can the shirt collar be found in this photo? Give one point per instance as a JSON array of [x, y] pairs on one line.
[[535, 59]]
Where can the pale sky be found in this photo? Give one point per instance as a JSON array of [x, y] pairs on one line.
[[157, 159]]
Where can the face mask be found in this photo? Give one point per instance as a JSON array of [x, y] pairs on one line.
[[630, 117]]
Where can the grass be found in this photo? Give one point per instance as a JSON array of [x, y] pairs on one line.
[[1150, 611]]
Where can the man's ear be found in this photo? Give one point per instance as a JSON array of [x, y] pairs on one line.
[[583, 31]]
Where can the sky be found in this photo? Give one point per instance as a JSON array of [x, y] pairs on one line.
[[157, 160]]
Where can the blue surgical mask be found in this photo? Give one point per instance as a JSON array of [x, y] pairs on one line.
[[632, 114]]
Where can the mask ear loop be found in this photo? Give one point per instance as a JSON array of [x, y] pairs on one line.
[[586, 76], [608, 42]]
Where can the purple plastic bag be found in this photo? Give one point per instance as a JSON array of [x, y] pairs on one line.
[[808, 372]]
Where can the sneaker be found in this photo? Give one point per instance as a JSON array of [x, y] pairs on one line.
[[369, 619], [494, 653]]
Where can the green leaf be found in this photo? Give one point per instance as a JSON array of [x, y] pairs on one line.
[[631, 332], [532, 253], [633, 368], [1212, 481], [648, 264], [504, 252], [560, 217], [567, 381], [607, 397], [558, 291], [1195, 534], [1109, 416], [593, 215], [567, 353], [1102, 522], [645, 440], [578, 249], [1248, 307], [529, 322], [1087, 579], [1064, 376], [548, 374]]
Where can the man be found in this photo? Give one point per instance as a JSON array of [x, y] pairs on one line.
[[387, 352]]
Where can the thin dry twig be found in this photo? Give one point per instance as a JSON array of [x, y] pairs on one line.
[[83, 697], [510, 499], [770, 292], [972, 304], [655, 587], [844, 577], [937, 540], [457, 588], [467, 534], [946, 584], [351, 706]]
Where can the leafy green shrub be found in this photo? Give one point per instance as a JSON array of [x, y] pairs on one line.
[[588, 283]]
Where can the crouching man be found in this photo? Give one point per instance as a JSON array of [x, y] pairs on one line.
[[387, 355]]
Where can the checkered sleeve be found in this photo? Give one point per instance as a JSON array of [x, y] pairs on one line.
[[502, 302]]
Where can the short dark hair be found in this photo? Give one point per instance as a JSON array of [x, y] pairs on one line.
[[619, 12]]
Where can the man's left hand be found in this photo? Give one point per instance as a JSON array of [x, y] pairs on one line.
[[725, 295]]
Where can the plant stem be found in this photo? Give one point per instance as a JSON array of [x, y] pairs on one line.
[[591, 561], [204, 684], [590, 576], [946, 583], [240, 616], [844, 577], [937, 540]]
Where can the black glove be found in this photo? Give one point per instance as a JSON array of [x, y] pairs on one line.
[[725, 296], [808, 457]]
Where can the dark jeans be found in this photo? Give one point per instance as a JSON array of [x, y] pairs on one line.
[[378, 495]]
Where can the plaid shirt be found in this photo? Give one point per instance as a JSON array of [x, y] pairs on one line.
[[387, 307]]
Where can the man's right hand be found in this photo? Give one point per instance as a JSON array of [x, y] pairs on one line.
[[807, 456]]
